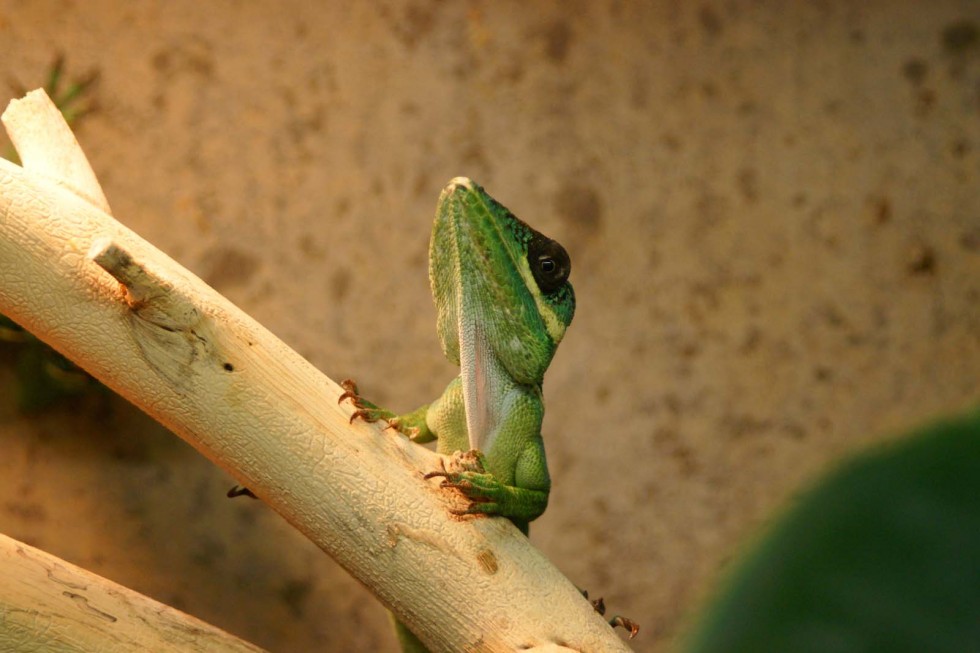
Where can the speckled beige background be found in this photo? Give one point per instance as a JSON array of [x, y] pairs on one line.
[[773, 210]]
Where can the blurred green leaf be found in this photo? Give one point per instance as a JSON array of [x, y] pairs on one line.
[[45, 377], [883, 555]]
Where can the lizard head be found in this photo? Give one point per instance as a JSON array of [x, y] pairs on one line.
[[498, 285]]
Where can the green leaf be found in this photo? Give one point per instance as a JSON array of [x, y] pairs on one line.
[[882, 555]]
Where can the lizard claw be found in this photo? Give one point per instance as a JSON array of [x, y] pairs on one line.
[[460, 463], [240, 491], [451, 480], [441, 472], [411, 425], [350, 391], [599, 605], [363, 409], [466, 472], [621, 622], [625, 623], [364, 414]]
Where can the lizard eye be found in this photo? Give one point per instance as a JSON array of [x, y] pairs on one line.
[[550, 264]]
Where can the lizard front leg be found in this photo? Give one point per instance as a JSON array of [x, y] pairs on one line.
[[412, 425]]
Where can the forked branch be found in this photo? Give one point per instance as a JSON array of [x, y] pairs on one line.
[[159, 336]]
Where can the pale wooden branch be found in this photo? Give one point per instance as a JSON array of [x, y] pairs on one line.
[[47, 604], [162, 338]]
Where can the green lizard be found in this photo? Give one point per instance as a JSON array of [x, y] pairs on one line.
[[503, 301]]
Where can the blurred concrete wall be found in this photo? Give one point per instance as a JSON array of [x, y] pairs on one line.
[[773, 210]]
